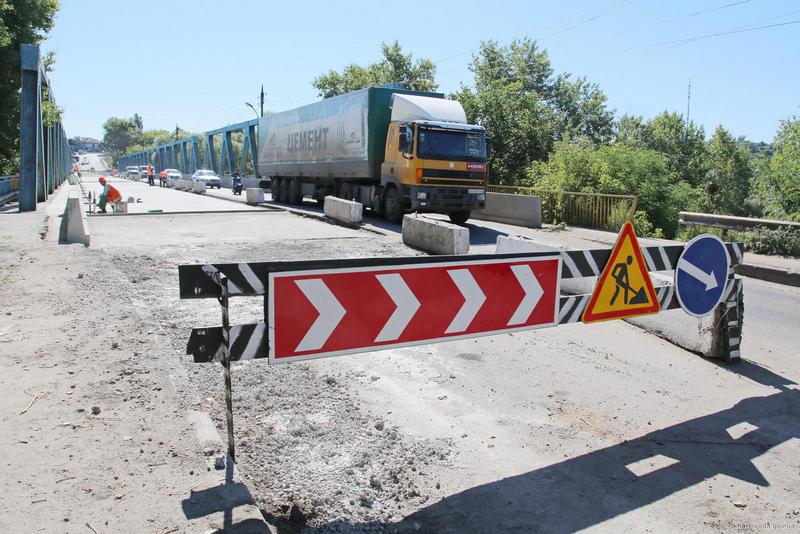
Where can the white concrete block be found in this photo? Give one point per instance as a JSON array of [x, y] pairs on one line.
[[435, 236], [199, 187], [77, 227], [121, 207], [343, 210], [521, 210], [254, 195]]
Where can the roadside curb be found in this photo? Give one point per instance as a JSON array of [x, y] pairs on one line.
[[769, 274]]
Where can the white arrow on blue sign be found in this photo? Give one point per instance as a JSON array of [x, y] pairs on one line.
[[701, 274]]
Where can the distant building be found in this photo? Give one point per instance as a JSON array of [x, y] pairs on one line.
[[84, 143]]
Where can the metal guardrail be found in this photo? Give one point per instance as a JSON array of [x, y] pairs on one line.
[[45, 158], [589, 210], [8, 184], [730, 222]]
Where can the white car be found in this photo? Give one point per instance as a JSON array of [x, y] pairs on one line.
[[132, 172], [175, 174], [207, 177]]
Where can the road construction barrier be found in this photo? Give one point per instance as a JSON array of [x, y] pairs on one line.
[[343, 210], [434, 235], [75, 227], [708, 335], [521, 210], [199, 187], [254, 195]]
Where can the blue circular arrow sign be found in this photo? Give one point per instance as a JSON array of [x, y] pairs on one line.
[[701, 274]]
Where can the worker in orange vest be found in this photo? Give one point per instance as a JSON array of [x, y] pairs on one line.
[[150, 176], [162, 178], [109, 194]]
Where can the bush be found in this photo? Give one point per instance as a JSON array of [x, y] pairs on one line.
[[784, 241]]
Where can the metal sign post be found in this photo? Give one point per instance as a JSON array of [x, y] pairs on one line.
[[224, 298]]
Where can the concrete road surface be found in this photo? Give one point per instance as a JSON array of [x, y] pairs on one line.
[[601, 427]]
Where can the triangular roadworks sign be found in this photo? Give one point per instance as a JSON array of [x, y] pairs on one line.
[[624, 288]]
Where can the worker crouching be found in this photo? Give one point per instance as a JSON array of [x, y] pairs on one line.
[[110, 194]]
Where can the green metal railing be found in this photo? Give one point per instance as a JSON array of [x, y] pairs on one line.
[[589, 210], [8, 184]]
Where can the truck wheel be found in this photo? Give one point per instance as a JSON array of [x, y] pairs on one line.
[[295, 197], [459, 217], [346, 191], [275, 188], [391, 206], [283, 191]]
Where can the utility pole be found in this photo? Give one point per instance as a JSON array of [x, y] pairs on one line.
[[262, 100], [688, 103]]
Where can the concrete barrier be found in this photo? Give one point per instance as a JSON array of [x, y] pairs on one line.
[[75, 227], [435, 236], [520, 210], [199, 187], [701, 335], [254, 195], [343, 210]]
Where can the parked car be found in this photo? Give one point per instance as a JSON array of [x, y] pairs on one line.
[[207, 177], [143, 172], [132, 172], [175, 174]]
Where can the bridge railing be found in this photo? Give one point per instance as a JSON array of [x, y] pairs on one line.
[[589, 210], [8, 185], [45, 156]]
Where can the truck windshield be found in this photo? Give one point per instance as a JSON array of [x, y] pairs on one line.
[[451, 145]]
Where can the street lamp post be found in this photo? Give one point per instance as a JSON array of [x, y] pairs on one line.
[[249, 105]]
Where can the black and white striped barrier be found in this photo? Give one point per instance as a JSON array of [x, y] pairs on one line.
[[251, 279]]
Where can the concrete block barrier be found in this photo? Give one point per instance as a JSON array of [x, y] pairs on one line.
[[520, 210], [435, 236], [343, 210], [198, 187], [254, 195], [702, 335], [75, 226]]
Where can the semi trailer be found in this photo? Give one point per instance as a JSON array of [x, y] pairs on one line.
[[395, 151]]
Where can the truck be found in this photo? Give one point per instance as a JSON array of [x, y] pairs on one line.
[[393, 150]]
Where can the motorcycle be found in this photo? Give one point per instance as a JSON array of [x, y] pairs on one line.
[[236, 186]]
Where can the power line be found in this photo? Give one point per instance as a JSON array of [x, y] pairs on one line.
[[708, 36]]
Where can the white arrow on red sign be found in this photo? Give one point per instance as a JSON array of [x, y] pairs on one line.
[[329, 312]]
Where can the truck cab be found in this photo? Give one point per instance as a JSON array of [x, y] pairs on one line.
[[433, 161]]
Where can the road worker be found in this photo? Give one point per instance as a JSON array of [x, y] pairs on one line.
[[162, 178], [110, 194], [150, 175]]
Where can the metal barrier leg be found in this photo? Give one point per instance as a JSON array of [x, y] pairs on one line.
[[226, 362]]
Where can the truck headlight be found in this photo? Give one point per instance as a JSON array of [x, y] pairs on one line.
[[422, 195]]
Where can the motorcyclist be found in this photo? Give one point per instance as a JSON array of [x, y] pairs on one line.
[[236, 185]]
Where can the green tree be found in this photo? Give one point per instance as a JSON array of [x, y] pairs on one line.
[[778, 186], [526, 109], [727, 183], [395, 67], [580, 165], [120, 136], [683, 144], [21, 22]]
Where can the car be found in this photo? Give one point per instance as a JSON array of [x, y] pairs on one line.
[[143, 172], [132, 172], [175, 174], [207, 177]]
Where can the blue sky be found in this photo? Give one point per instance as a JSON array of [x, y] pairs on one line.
[[195, 63]]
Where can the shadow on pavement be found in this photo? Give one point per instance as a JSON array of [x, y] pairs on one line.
[[224, 498], [586, 490]]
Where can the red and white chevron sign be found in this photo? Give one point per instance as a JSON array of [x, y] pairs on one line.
[[313, 314]]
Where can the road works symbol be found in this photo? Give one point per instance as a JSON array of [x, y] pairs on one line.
[[701, 273], [358, 309], [624, 288]]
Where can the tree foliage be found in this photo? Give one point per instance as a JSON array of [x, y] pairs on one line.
[[21, 22], [526, 108], [778, 182], [395, 67], [727, 184]]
